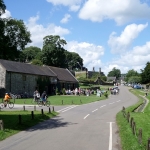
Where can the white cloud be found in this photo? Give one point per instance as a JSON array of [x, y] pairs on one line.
[[118, 10], [66, 18], [73, 5], [7, 14], [122, 43], [38, 31], [135, 59], [89, 52]]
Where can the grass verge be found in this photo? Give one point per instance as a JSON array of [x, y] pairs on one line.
[[142, 120], [12, 125], [67, 99]]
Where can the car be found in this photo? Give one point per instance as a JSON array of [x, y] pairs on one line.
[[137, 87]]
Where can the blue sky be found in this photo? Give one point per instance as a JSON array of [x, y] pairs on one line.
[[106, 34]]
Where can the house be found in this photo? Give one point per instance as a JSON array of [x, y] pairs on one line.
[[17, 77], [65, 79]]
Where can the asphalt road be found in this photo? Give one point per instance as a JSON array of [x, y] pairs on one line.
[[85, 127]]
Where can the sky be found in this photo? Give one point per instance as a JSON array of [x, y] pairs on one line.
[[105, 33]]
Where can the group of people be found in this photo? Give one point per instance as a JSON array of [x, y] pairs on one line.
[[37, 96]]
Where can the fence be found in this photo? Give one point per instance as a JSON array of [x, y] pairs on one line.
[[138, 134]]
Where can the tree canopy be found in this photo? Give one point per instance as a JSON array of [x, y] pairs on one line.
[[145, 75], [114, 73], [13, 36], [131, 74], [2, 7]]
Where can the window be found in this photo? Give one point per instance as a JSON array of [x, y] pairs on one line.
[[24, 77]]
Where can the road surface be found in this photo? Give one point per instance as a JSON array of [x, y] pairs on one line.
[[77, 127]]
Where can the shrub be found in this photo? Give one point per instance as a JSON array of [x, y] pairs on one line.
[[63, 91], [106, 94]]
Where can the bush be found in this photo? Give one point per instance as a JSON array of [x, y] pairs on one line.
[[106, 94], [63, 91]]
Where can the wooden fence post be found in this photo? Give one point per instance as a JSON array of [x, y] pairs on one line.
[[148, 144], [42, 111], [124, 112], [53, 108], [20, 119], [49, 110], [131, 122], [34, 107], [1, 125], [32, 115], [24, 108], [140, 136], [128, 117], [134, 128]]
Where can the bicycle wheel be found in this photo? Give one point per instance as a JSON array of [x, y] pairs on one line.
[[1, 105], [10, 105], [40, 103], [33, 101], [47, 103]]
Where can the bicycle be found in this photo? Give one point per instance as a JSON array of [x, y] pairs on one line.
[[5, 104], [35, 100], [44, 103]]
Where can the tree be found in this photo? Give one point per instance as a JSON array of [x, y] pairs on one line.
[[145, 75], [31, 53], [53, 52], [14, 36], [134, 79], [2, 7], [73, 60], [114, 73], [131, 73], [37, 62]]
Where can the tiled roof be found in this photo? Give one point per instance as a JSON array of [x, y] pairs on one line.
[[63, 74], [19, 67]]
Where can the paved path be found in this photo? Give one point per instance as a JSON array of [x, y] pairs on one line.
[[86, 127]]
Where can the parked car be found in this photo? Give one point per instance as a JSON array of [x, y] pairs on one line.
[[137, 87]]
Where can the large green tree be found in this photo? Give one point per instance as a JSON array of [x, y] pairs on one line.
[[13, 36], [145, 75], [13, 39], [114, 73], [73, 60], [131, 73], [53, 51]]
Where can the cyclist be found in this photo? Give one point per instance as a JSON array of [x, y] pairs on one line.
[[6, 99], [44, 97]]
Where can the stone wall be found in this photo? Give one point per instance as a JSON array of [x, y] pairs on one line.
[[2, 77], [20, 83]]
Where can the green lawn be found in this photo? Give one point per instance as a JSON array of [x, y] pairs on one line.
[[11, 121], [142, 120], [66, 99]]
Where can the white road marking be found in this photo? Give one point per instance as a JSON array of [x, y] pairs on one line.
[[86, 116], [112, 103], [110, 136], [69, 108], [118, 101], [66, 108], [103, 106], [94, 110]]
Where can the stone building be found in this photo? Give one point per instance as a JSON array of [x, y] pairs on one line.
[[17, 77]]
